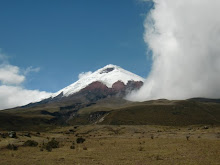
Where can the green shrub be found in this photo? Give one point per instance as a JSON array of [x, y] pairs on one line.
[[51, 144], [80, 140], [12, 147], [31, 143], [48, 148]]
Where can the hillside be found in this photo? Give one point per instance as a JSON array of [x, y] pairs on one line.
[[113, 111]]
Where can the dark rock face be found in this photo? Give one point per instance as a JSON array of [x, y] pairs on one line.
[[118, 86], [134, 85], [107, 70], [96, 86], [93, 92], [97, 90]]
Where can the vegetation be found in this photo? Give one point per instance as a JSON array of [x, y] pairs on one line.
[[119, 112], [80, 140], [132, 145], [12, 147], [163, 131], [51, 144], [168, 113], [30, 143]]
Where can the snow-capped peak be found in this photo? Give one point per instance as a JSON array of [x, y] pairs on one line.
[[108, 75]]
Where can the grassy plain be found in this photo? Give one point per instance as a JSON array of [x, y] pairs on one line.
[[117, 145]]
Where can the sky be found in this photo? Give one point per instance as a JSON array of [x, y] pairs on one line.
[[64, 38], [46, 44]]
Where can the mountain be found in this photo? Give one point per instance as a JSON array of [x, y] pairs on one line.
[[111, 76], [109, 81]]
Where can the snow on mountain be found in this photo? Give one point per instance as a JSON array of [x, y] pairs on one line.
[[107, 75]]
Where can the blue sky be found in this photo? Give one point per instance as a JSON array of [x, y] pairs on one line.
[[65, 38]]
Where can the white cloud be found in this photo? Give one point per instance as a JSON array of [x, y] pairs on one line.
[[184, 36], [12, 93], [10, 75], [13, 96], [84, 74]]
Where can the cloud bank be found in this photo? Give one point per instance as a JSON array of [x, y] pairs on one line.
[[12, 93], [13, 96], [184, 37]]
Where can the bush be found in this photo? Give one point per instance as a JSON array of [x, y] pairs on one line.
[[80, 140], [51, 144], [12, 147], [48, 148], [31, 143]]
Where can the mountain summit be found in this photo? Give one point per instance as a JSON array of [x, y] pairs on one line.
[[109, 82], [110, 76]]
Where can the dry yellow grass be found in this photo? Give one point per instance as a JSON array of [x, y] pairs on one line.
[[115, 145]]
